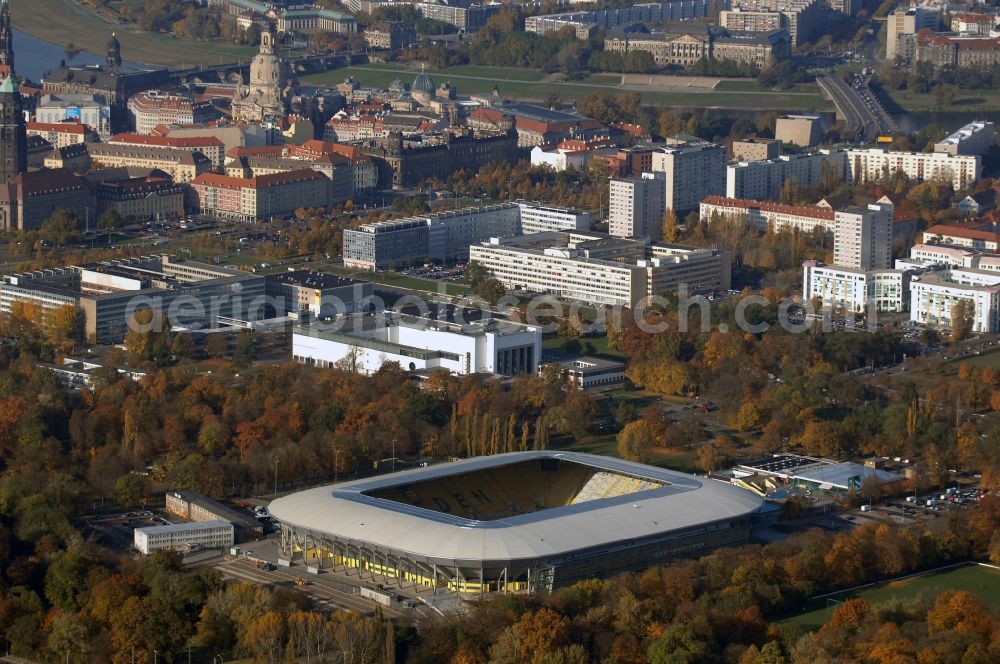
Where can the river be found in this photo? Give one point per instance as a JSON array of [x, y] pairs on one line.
[[34, 57]]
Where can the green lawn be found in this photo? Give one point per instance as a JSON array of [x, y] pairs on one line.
[[528, 84], [990, 359], [967, 100], [64, 21], [980, 580], [751, 85]]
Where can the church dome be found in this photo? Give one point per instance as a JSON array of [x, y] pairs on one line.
[[266, 68], [423, 83]]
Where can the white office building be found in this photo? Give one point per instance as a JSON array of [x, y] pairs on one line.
[[876, 164], [692, 169], [933, 296], [185, 536], [443, 236], [839, 288], [588, 372], [364, 343], [636, 206], [600, 269], [538, 218], [974, 138]]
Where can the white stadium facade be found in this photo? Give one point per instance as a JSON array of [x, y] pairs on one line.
[[518, 522]]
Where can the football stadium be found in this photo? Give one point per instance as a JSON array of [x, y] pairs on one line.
[[518, 522]]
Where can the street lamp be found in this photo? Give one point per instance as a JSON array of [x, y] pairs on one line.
[[336, 463], [276, 476]]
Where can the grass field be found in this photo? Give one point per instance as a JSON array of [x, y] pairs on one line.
[[983, 581], [989, 359], [64, 21], [967, 100], [531, 85]]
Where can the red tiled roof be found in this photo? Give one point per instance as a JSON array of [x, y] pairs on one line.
[[167, 141], [68, 127], [975, 18], [274, 179], [957, 231], [487, 115], [802, 211], [222, 181]]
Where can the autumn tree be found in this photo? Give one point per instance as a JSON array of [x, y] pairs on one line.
[[669, 226], [962, 317], [635, 441], [60, 229]]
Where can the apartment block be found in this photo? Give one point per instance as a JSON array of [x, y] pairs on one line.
[[692, 169], [636, 206], [586, 23], [862, 237], [802, 18], [874, 164], [907, 21], [248, 199], [764, 215], [763, 180]]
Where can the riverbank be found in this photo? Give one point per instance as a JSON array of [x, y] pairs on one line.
[[533, 85], [979, 101], [64, 22]]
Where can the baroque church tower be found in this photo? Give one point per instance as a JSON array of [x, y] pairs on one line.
[[13, 140], [271, 85], [6, 35]]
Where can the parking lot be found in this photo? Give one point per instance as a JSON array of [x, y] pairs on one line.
[[117, 530], [437, 272]]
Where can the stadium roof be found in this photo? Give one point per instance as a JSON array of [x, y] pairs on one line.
[[345, 512]]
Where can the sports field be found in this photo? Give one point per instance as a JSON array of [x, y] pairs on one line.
[[529, 84], [983, 581]]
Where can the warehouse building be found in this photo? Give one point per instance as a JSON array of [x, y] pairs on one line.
[[196, 507]]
